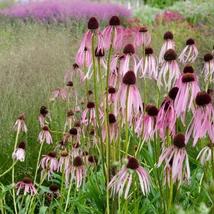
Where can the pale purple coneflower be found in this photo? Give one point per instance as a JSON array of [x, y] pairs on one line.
[[113, 128], [178, 177], [177, 154], [168, 44], [115, 61], [71, 135], [93, 26], [114, 78], [49, 164], [188, 88], [189, 53], [205, 154], [129, 53], [112, 94], [57, 92], [94, 138], [100, 55], [27, 186], [20, 124], [149, 65], [208, 69], [63, 161], [142, 37], [71, 72], [78, 126], [54, 190], [128, 90], [146, 123], [76, 172], [45, 135], [91, 112], [43, 114], [83, 57], [118, 32], [92, 160], [202, 122], [169, 70], [76, 150], [125, 175], [19, 153], [166, 117], [69, 119]]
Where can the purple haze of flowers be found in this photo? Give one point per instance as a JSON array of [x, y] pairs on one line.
[[56, 10], [168, 17]]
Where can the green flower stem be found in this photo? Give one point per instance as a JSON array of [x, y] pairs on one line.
[[106, 112], [38, 159], [62, 190], [212, 159], [208, 81], [68, 197], [86, 80], [13, 168], [170, 195], [103, 98], [159, 96], [127, 122], [14, 163], [23, 197]]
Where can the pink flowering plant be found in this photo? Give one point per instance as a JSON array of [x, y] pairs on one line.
[[116, 149]]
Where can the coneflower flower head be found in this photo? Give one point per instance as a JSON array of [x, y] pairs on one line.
[[49, 163], [20, 123], [151, 110], [73, 131], [92, 160], [129, 49], [54, 188], [93, 24], [174, 156], [27, 185], [114, 26], [19, 153], [149, 64], [43, 114], [173, 93], [179, 140], [70, 84], [170, 70], [134, 97], [45, 135], [202, 121], [129, 78], [188, 69], [190, 52], [170, 55], [114, 21], [205, 154], [125, 175], [142, 37], [77, 171], [168, 44], [64, 160], [208, 70], [188, 89], [146, 123]]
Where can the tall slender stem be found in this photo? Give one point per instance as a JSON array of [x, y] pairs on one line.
[[106, 112], [170, 195], [38, 159], [13, 169], [127, 122]]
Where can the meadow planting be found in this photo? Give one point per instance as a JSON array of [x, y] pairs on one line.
[[103, 112]]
